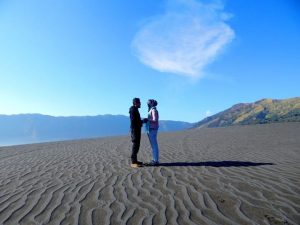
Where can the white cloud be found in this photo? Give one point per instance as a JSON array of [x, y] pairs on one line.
[[208, 113], [185, 39]]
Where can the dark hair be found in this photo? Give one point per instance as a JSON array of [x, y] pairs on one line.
[[136, 101], [151, 103]]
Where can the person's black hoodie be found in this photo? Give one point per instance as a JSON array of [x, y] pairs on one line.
[[135, 118]]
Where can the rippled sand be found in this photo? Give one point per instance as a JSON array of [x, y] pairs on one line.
[[236, 175]]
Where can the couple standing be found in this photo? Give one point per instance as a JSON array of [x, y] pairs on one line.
[[136, 124]]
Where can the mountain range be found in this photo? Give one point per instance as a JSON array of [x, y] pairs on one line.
[[33, 128], [259, 112]]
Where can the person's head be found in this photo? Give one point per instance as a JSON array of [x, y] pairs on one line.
[[136, 102], [151, 103]]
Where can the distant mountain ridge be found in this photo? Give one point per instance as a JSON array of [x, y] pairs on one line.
[[259, 112], [33, 128]]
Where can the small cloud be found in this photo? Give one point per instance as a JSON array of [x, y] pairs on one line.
[[207, 113], [183, 40]]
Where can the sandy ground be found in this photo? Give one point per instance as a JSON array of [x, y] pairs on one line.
[[236, 175]]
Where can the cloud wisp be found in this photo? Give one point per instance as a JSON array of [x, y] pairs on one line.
[[188, 36]]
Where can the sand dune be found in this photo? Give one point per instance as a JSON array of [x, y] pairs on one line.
[[236, 175]]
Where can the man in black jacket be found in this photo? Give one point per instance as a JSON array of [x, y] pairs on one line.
[[135, 125]]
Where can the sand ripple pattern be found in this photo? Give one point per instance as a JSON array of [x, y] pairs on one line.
[[238, 175]]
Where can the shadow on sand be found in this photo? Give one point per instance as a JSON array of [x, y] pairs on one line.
[[216, 164]]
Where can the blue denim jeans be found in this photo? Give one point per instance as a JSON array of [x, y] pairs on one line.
[[152, 135]]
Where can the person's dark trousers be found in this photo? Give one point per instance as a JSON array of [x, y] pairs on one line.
[[136, 140]]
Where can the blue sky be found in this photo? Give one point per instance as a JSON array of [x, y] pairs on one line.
[[195, 58]]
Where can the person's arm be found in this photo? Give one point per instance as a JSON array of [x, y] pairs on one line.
[[154, 115], [134, 117]]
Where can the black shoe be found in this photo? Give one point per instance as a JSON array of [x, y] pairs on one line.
[[139, 162]]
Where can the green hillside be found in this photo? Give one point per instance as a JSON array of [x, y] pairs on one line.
[[260, 112]]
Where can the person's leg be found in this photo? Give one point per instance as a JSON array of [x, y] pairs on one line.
[[154, 144], [136, 139], [135, 149], [150, 136], [156, 147], [150, 140]]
